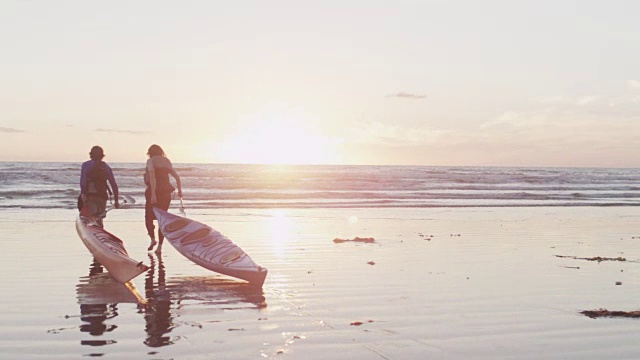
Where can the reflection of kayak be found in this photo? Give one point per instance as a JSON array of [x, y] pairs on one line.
[[102, 289], [213, 291], [209, 248], [107, 249]]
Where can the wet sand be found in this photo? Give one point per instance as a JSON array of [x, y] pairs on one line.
[[483, 283]]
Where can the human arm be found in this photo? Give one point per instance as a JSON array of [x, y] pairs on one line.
[[152, 180], [84, 177], [175, 175], [114, 186]]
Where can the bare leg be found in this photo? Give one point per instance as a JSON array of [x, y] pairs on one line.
[[164, 200], [148, 220]]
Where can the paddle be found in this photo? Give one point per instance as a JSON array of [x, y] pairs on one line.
[[126, 199], [125, 203], [182, 208]]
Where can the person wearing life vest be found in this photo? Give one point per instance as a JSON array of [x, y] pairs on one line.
[[94, 190], [158, 191]]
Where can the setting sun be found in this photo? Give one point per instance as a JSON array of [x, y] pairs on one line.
[[279, 135]]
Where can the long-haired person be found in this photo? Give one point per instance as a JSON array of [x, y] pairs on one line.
[[158, 191]]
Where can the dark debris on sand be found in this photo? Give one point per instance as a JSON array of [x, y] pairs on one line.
[[426, 237], [606, 313], [595, 258], [358, 323], [355, 239]]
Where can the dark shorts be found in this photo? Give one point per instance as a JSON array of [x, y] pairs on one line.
[[163, 202]]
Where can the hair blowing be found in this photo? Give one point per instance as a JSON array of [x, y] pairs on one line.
[[155, 150]]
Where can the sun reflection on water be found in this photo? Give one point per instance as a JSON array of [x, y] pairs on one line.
[[279, 230]]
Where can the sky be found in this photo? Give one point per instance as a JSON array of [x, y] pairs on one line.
[[469, 83]]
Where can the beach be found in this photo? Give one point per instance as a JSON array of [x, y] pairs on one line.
[[440, 283], [411, 180]]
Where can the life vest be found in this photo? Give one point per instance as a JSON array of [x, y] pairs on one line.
[[97, 180]]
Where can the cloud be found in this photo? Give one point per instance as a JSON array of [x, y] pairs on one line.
[[131, 132], [377, 133], [578, 130], [512, 120], [586, 100], [607, 107], [10, 130], [405, 95], [567, 101], [572, 128], [634, 84], [551, 100]]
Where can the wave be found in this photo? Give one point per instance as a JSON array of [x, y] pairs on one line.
[[51, 185]]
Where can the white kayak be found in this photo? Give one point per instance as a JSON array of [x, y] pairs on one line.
[[108, 249], [209, 248]]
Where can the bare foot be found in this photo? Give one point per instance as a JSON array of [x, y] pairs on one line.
[[153, 243]]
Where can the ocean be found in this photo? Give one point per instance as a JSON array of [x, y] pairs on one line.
[[55, 185]]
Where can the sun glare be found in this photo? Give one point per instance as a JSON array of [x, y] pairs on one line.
[[276, 136], [279, 230]]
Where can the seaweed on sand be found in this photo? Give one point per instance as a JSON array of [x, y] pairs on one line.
[[606, 313], [355, 239], [595, 258]]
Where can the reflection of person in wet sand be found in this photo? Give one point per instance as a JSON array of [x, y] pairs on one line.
[[94, 315], [159, 321]]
